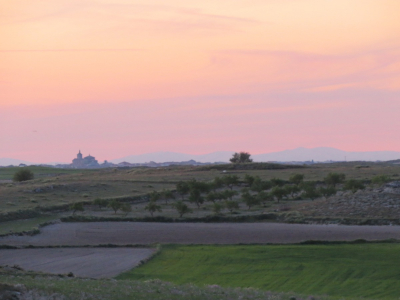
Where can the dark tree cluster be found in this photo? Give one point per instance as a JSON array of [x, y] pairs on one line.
[[241, 157]]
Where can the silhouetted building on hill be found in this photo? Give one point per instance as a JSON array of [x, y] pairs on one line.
[[84, 162]]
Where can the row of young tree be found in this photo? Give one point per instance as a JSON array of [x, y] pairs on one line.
[[114, 204], [253, 191]]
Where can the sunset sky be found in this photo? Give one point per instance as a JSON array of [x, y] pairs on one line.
[[116, 77]]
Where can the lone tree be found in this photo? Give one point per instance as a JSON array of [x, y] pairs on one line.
[[217, 208], [182, 208], [115, 205], [23, 175], [126, 208], [152, 207], [195, 197], [154, 196], [182, 188], [232, 205], [310, 192], [212, 197], [100, 202], [278, 193], [217, 183], [228, 194], [241, 157], [249, 199], [230, 180], [76, 207], [259, 185], [168, 194], [264, 197]]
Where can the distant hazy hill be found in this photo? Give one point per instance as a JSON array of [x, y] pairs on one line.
[[221, 156], [298, 154], [325, 154], [11, 161]]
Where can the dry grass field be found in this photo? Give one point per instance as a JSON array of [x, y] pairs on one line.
[[51, 192], [53, 188]]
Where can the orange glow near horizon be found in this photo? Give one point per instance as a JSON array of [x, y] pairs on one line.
[[204, 54]]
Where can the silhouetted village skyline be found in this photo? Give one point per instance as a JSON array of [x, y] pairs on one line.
[[90, 162]]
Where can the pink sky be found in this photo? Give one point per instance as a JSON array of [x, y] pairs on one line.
[[115, 78]]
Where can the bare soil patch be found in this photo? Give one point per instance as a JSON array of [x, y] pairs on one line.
[[141, 233], [82, 262]]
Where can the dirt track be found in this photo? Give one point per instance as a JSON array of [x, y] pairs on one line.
[[83, 262], [123, 233]]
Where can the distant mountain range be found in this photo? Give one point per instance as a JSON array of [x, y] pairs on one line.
[[320, 154], [11, 161], [222, 156]]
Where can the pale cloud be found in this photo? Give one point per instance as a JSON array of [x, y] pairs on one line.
[[299, 70]]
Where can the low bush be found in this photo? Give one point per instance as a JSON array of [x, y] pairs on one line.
[[23, 175]]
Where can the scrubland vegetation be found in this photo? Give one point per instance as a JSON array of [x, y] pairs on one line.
[[342, 193]]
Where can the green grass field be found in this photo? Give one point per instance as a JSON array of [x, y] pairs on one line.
[[339, 270], [39, 172]]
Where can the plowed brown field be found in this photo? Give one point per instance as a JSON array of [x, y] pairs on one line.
[[123, 233], [83, 262]]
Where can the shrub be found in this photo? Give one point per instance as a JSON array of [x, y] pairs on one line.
[[380, 179], [327, 192], [334, 178], [354, 185], [23, 175], [296, 179]]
